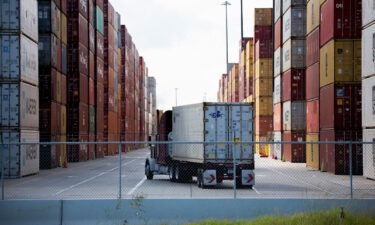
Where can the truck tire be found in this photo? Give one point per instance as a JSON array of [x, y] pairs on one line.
[[148, 173], [172, 173]]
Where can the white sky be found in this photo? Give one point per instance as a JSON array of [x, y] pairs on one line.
[[183, 43]]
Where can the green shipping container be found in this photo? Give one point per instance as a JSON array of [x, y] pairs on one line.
[[99, 20], [92, 119]]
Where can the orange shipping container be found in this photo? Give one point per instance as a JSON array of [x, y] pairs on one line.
[[263, 16]]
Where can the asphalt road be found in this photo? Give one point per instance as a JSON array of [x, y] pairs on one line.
[[99, 179]]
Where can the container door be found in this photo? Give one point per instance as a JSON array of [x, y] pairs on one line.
[[11, 153], [216, 123]]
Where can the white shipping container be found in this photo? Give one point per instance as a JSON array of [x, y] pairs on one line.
[[293, 54], [277, 148], [21, 160], [19, 59], [368, 51], [277, 60], [369, 154], [368, 103], [20, 16], [19, 106], [294, 116], [277, 90], [210, 122], [277, 10], [368, 12], [294, 23]]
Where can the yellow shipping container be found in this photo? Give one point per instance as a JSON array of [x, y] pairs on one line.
[[312, 15], [234, 77], [263, 68], [64, 29], [357, 60], [119, 56], [312, 152], [249, 99], [337, 62], [263, 16], [263, 87], [243, 58], [250, 59], [263, 106], [262, 149]]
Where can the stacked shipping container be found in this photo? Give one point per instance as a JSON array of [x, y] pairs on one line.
[[52, 81], [263, 82], [19, 100], [340, 89], [368, 87], [292, 80]]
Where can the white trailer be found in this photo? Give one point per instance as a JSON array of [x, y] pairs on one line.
[[210, 163]]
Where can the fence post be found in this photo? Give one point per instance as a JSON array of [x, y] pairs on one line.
[[351, 169], [234, 174], [120, 169], [2, 172]]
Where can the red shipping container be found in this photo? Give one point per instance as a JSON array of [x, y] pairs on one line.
[[91, 12], [83, 60], [99, 3], [63, 90], [83, 89], [295, 153], [58, 118], [109, 57], [263, 125], [263, 49], [99, 50], [278, 33], [111, 78], [99, 152], [64, 7], [47, 119], [334, 158], [91, 92], [78, 6], [341, 107], [109, 12], [99, 71], [293, 85], [83, 118], [312, 116], [92, 40], [99, 95], [78, 32], [340, 19], [99, 120], [83, 148], [312, 48], [277, 117], [78, 60], [91, 148], [111, 100], [112, 122], [263, 32], [92, 65], [312, 82]]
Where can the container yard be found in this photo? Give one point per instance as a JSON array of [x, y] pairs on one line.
[[77, 77]]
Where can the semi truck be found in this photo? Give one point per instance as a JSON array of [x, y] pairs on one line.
[[194, 144]]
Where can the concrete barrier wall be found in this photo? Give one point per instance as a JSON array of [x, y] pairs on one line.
[[155, 211]]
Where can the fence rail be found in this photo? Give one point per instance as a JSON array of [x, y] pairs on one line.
[[121, 174]]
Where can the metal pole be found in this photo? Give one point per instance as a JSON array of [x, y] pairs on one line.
[[226, 3], [234, 175], [241, 21], [351, 169], [120, 168], [176, 95], [2, 172]]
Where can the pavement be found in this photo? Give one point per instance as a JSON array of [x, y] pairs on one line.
[[100, 179]]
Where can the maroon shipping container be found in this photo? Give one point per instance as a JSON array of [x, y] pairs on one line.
[[91, 65], [263, 33], [312, 48], [78, 60], [91, 12], [109, 12], [99, 45], [47, 119], [340, 19], [58, 3], [64, 7], [83, 89], [293, 85], [263, 49], [83, 148], [99, 70], [295, 153], [99, 151], [78, 6], [263, 125], [109, 59], [63, 90], [91, 148], [99, 120], [99, 95], [78, 32], [92, 40], [111, 100], [341, 107], [83, 118], [312, 81], [278, 33], [334, 158], [91, 92], [312, 116]]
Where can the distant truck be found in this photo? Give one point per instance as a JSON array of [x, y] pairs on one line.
[[210, 163]]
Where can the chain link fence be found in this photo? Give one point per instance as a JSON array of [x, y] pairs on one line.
[[177, 170]]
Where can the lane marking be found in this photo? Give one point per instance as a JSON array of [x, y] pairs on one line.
[[301, 181], [256, 191], [136, 186], [92, 178]]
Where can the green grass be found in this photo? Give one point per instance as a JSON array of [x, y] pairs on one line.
[[311, 218]]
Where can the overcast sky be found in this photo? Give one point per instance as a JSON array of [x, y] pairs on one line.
[[183, 43]]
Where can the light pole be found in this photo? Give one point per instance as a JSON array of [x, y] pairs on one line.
[[226, 3], [176, 95]]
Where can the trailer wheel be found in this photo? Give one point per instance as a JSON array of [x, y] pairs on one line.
[[148, 173]]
